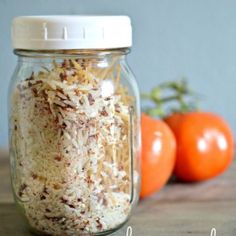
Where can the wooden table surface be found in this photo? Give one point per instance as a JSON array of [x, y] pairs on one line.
[[178, 210]]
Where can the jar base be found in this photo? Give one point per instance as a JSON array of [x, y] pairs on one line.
[[36, 232]]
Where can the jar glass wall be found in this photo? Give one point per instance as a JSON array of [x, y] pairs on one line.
[[74, 140]]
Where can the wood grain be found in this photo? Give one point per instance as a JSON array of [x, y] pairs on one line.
[[178, 210]]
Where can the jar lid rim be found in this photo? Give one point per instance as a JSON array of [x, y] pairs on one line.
[[71, 32]]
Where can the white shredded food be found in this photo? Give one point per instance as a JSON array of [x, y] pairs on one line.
[[72, 150]]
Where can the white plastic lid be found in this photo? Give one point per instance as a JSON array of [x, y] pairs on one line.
[[71, 32]]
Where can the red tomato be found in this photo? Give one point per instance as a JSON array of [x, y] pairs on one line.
[[205, 145], [158, 155]]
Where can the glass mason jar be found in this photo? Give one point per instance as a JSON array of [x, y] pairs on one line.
[[73, 127]]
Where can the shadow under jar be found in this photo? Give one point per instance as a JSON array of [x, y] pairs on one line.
[[73, 127]]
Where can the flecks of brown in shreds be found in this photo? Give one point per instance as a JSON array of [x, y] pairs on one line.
[[66, 97]]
